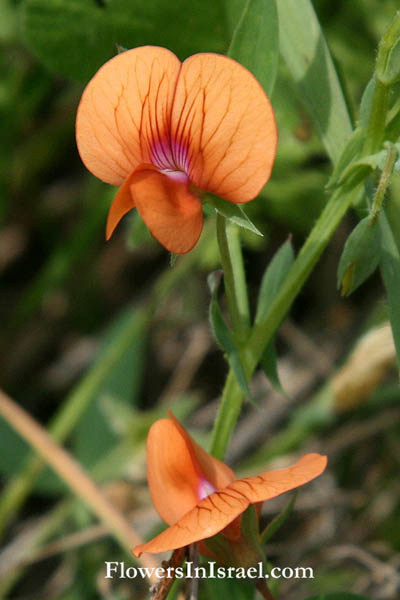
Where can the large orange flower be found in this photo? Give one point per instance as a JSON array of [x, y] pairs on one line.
[[199, 496], [167, 132]]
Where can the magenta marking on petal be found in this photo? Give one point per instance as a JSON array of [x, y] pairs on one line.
[[170, 156], [205, 489]]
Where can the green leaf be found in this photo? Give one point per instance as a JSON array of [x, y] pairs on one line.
[[273, 278], [233, 212], [233, 13], [255, 42], [269, 364], [390, 268], [307, 56], [223, 334], [360, 256], [392, 71], [388, 60], [339, 596], [75, 37], [366, 102], [278, 521], [359, 170]]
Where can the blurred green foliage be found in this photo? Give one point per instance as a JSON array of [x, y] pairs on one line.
[[64, 292]]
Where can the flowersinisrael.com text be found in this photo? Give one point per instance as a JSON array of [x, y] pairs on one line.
[[118, 570]]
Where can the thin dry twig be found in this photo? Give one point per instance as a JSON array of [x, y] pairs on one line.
[[161, 589], [306, 349], [199, 344], [194, 584], [354, 433]]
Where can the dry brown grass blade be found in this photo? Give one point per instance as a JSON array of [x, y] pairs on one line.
[[73, 475]]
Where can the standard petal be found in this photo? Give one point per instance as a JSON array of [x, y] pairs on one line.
[[123, 118], [223, 127], [175, 473], [214, 513], [172, 213], [215, 471], [172, 476]]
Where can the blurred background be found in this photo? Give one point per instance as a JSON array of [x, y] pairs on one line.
[[101, 338]]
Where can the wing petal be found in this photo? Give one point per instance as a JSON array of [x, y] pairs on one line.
[[274, 483], [214, 513], [172, 213]]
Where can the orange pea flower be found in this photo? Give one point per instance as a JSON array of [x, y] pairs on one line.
[[199, 496], [166, 132]]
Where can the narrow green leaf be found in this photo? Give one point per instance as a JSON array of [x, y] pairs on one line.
[[366, 102], [250, 525], [388, 60], [224, 336], [255, 42], [233, 212], [390, 268], [307, 56], [360, 169], [392, 73], [233, 13], [361, 255], [269, 364], [278, 521], [273, 278]]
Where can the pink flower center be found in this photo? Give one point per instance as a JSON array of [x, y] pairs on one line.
[[205, 489], [171, 158]]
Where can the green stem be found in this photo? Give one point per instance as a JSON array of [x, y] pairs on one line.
[[384, 180], [386, 74], [377, 120], [387, 69], [227, 415], [234, 277], [239, 275], [232, 396]]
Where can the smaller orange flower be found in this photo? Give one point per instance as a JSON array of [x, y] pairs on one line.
[[166, 132], [199, 496]]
